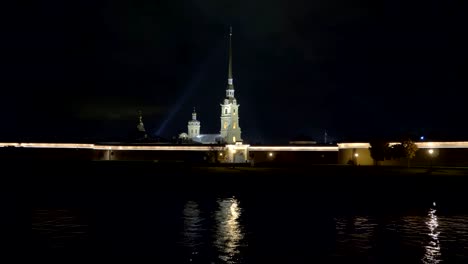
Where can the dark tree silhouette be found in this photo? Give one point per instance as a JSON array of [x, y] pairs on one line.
[[217, 153], [378, 150], [409, 149], [406, 149], [397, 151]]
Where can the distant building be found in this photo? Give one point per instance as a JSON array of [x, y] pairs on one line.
[[193, 135], [141, 132], [230, 131], [302, 140]]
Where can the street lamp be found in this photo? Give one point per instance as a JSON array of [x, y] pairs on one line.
[[356, 155], [431, 154]]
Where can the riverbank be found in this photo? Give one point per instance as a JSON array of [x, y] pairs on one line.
[[185, 175], [342, 186]]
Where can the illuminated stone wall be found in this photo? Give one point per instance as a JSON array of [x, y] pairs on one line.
[[429, 153], [443, 154]]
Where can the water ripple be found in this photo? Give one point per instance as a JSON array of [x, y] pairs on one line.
[[57, 227]]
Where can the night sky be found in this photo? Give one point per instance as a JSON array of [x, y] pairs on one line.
[[83, 69]]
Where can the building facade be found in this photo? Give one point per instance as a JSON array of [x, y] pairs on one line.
[[230, 131]]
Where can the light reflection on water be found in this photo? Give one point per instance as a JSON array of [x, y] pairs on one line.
[[218, 234], [432, 237], [193, 228], [432, 254], [229, 233], [358, 229]]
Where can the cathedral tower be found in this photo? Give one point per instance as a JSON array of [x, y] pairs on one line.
[[230, 129], [193, 127]]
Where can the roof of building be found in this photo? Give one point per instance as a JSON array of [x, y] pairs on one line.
[[208, 138]]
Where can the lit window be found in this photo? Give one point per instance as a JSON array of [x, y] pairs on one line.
[[233, 139], [234, 111], [234, 125], [225, 125]]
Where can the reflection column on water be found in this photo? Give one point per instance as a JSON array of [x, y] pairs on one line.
[[192, 234], [432, 253], [229, 234]]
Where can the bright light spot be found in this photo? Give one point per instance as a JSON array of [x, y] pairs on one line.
[[434, 203], [229, 233], [220, 154], [270, 154], [234, 210], [430, 151], [422, 138], [356, 155]]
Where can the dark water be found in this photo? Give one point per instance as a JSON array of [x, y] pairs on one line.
[[261, 228]]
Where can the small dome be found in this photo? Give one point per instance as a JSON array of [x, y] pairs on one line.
[[183, 136]]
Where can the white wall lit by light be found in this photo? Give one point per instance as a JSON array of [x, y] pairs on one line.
[[292, 148], [421, 145]]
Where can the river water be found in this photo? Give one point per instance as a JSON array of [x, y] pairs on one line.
[[245, 229]]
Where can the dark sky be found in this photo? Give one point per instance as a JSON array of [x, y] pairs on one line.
[[357, 69]]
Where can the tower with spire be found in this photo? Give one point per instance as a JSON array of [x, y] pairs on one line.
[[141, 127], [193, 126], [230, 129]]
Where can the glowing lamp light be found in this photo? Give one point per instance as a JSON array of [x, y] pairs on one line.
[[356, 155], [270, 154], [431, 151], [421, 138], [221, 154]]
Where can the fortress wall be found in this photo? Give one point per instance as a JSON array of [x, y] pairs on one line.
[[301, 157], [444, 154]]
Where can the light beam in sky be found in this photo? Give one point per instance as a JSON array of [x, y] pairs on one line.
[[192, 85]]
